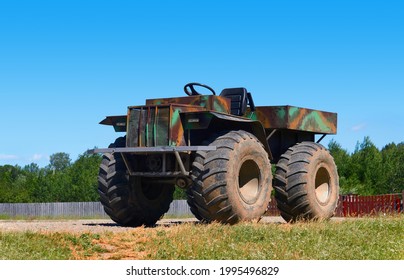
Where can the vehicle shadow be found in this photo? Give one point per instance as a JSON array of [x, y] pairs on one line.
[[174, 222], [161, 223]]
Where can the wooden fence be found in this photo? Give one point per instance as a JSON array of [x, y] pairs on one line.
[[55, 209], [178, 208], [348, 206]]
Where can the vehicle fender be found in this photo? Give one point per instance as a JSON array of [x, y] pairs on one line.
[[216, 122]]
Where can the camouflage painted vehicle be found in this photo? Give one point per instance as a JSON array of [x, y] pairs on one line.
[[219, 148]]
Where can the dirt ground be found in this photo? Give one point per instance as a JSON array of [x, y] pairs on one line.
[[93, 226]]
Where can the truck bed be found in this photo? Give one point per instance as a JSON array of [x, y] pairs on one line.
[[296, 118]]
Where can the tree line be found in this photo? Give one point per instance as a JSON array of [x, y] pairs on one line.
[[366, 171], [60, 181]]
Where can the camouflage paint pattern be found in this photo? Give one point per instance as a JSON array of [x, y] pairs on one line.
[[159, 122], [164, 122], [209, 102], [177, 137], [295, 118]]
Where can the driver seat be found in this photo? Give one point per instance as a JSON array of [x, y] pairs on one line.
[[239, 98]]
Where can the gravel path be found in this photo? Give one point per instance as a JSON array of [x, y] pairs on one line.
[[94, 226]]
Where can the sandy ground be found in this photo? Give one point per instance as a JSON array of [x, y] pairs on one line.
[[94, 226]]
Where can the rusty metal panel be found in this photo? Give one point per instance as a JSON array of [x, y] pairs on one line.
[[159, 123], [148, 126], [151, 126], [162, 126], [133, 128], [142, 127], [296, 118]]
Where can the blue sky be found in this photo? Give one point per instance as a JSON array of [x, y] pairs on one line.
[[65, 65]]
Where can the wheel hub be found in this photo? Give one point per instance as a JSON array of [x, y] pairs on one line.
[[249, 181], [322, 187]]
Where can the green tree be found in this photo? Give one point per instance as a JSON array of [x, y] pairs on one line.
[[367, 164], [393, 168], [59, 161], [32, 168], [83, 183], [13, 184], [343, 161]]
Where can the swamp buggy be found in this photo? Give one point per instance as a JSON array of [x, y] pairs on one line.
[[220, 149]]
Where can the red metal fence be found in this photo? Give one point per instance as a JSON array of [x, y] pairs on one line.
[[357, 205], [272, 208]]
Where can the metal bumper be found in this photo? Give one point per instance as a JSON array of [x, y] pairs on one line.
[[176, 150]]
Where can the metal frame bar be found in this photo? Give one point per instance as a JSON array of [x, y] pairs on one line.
[[162, 149], [271, 134], [181, 164], [322, 137], [127, 164]]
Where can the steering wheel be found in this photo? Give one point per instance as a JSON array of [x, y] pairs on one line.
[[190, 90]]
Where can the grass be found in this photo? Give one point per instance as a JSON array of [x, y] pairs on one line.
[[32, 246], [379, 238], [52, 246]]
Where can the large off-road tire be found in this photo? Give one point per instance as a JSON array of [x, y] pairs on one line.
[[195, 174], [191, 204], [130, 201], [306, 183], [232, 183]]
